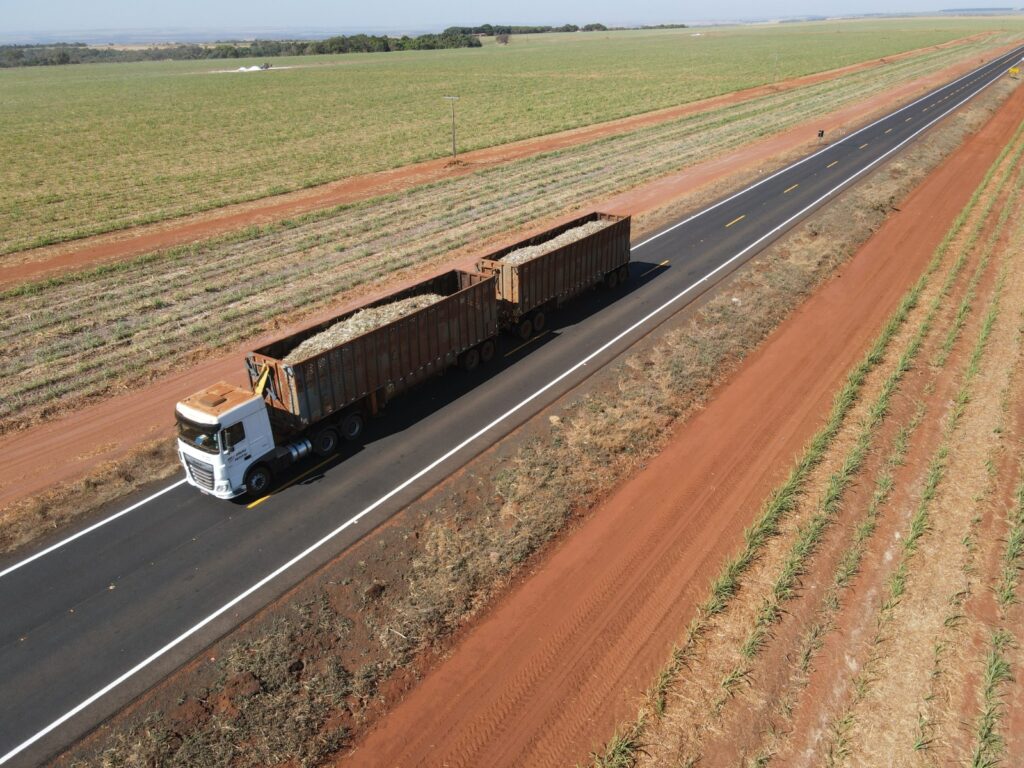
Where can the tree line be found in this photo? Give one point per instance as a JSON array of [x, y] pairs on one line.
[[493, 30], [496, 30], [79, 53]]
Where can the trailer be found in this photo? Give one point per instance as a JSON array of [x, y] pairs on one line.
[[530, 288], [312, 389], [233, 440]]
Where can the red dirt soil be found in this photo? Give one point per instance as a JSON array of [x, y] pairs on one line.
[[548, 674], [56, 259], [69, 446]]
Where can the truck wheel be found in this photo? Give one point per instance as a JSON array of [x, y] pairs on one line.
[[325, 442], [352, 425], [470, 359], [258, 480], [624, 274], [539, 321], [487, 351], [525, 328], [611, 280]]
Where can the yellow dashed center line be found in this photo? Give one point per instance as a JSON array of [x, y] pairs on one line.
[[888, 130], [834, 162], [656, 266], [908, 120], [737, 219], [787, 191], [863, 145]]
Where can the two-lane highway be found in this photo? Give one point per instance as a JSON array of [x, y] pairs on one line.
[[90, 622]]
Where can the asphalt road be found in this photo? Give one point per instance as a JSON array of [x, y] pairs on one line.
[[91, 622]]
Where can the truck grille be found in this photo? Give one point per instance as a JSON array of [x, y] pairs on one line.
[[201, 472]]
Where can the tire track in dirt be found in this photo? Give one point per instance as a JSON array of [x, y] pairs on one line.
[[444, 717], [50, 260]]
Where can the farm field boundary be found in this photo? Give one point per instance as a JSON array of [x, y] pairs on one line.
[[30, 265]]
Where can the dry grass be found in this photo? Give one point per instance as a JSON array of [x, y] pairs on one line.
[[73, 339], [24, 521]]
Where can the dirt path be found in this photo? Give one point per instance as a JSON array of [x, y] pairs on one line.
[[542, 681], [42, 262], [68, 447]]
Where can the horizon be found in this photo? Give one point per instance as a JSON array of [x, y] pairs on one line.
[[165, 34]]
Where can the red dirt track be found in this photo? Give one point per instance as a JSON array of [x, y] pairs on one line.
[[66, 447], [547, 675], [56, 259]]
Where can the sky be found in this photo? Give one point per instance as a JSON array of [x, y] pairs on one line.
[[17, 16]]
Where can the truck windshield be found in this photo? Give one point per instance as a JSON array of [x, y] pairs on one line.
[[202, 436]]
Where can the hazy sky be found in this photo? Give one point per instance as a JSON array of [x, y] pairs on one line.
[[23, 15]]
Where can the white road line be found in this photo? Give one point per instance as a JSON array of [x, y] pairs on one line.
[[478, 434], [90, 529], [101, 523]]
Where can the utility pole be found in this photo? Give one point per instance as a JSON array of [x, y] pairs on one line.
[[452, 99]]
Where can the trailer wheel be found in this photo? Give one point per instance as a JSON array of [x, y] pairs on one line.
[[258, 480], [624, 274], [325, 442], [487, 351], [525, 328], [539, 321], [352, 425], [470, 359], [611, 280]]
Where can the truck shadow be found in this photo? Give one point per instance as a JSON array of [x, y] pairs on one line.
[[436, 394]]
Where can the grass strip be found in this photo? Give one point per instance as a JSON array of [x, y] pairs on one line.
[[1013, 554], [989, 745]]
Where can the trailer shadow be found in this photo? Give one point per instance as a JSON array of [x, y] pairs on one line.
[[434, 395]]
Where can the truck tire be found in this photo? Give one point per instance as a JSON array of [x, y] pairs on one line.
[[258, 480], [487, 351], [624, 274], [325, 442], [352, 425], [470, 359], [539, 321], [525, 328], [611, 280]]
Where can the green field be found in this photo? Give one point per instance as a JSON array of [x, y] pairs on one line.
[[94, 148]]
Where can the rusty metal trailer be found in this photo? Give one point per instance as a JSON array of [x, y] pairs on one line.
[[359, 376], [233, 440], [528, 290]]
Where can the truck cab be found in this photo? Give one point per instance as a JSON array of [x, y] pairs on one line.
[[223, 430]]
